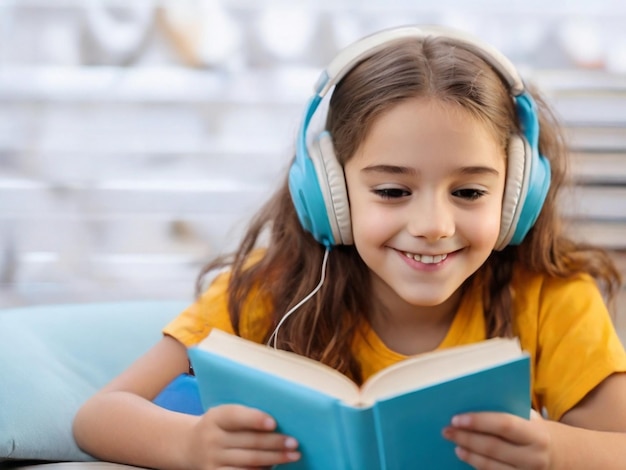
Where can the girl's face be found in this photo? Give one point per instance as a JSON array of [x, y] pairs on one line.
[[425, 191]]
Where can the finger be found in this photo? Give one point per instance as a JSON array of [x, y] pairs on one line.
[[260, 440], [267, 467], [487, 447], [243, 458], [506, 426], [241, 418], [480, 462]]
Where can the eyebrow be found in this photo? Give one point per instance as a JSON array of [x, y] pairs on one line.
[[478, 170], [403, 170], [390, 169]]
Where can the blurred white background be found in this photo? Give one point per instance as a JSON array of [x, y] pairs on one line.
[[136, 137]]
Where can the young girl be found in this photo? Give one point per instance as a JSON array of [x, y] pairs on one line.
[[424, 216]]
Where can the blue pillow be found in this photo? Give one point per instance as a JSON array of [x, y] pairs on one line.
[[181, 395], [52, 358]]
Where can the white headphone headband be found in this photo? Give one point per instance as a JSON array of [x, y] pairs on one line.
[[369, 45]]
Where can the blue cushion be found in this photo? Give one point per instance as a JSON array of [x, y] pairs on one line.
[[181, 395], [52, 358]]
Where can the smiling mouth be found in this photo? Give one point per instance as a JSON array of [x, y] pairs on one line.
[[426, 259]]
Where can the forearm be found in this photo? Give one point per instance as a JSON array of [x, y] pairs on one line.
[[578, 448], [123, 427]]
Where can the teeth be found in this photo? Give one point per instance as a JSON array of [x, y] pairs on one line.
[[426, 259]]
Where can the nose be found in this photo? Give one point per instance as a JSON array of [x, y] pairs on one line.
[[431, 217]]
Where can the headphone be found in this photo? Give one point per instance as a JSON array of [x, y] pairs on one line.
[[316, 179]]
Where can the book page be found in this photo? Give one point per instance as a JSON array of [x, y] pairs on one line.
[[284, 364], [438, 366]]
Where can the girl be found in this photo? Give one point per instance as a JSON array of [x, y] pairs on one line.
[[436, 184]]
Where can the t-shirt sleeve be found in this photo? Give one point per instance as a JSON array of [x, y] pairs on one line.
[[207, 312], [577, 345]]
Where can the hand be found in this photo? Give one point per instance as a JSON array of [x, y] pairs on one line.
[[489, 441], [233, 436]]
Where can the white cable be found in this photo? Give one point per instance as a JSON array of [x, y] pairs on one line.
[[274, 335]]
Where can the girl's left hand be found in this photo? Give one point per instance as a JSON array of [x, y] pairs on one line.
[[489, 441]]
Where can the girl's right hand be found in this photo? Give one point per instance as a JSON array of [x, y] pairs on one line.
[[234, 436]]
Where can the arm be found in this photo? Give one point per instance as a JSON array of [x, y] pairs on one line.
[[125, 400], [121, 424], [591, 435], [595, 430]]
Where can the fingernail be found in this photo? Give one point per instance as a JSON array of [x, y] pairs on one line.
[[269, 424], [461, 420], [293, 456], [447, 433], [291, 443]]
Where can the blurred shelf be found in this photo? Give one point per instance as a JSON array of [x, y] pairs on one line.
[[599, 167], [609, 234], [285, 86], [597, 139], [578, 81], [33, 198], [595, 203]]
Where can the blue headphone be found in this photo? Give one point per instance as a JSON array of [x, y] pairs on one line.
[[316, 178]]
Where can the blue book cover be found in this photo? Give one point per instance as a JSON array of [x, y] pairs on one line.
[[394, 421]]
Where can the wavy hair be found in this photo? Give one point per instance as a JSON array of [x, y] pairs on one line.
[[324, 327]]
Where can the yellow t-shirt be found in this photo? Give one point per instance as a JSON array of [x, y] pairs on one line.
[[563, 324]]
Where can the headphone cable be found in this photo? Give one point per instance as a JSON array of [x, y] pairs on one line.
[[273, 337]]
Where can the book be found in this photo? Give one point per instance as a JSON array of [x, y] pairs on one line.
[[393, 421]]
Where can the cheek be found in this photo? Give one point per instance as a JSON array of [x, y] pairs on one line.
[[373, 224], [486, 226], [367, 223]]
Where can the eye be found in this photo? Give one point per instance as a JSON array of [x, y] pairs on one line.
[[469, 194], [391, 193]]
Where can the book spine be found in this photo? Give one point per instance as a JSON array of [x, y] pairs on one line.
[[359, 438]]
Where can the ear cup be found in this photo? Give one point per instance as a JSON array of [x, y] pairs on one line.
[[309, 199], [517, 174], [332, 183]]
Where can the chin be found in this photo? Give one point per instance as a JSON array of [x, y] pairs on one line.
[[427, 301]]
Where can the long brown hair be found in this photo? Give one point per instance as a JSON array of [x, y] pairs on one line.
[[324, 326]]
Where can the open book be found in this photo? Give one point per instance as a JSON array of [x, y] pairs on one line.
[[393, 421]]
